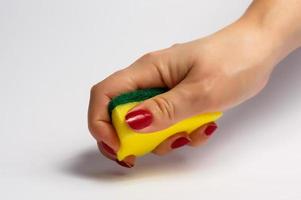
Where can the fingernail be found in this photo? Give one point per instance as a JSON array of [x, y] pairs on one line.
[[180, 142], [139, 119], [108, 149], [210, 129], [124, 164]]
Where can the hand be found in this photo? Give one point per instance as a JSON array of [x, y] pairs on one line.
[[210, 74]]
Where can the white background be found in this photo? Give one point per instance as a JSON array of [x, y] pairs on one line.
[[52, 52]]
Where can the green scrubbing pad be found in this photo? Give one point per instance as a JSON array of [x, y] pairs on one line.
[[134, 96]]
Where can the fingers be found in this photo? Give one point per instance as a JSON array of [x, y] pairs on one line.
[[196, 138], [202, 134], [173, 142], [128, 161], [141, 74], [144, 73], [106, 150]]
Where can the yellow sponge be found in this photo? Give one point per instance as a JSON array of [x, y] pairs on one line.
[[138, 144]]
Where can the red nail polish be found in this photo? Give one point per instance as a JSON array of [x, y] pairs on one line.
[[124, 164], [180, 142], [139, 119], [210, 129], [108, 149]]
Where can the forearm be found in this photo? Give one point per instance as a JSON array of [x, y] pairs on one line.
[[279, 20]]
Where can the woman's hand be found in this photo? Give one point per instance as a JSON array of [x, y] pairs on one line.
[[210, 74]]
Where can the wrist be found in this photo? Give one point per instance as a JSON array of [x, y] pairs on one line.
[[277, 42], [279, 28]]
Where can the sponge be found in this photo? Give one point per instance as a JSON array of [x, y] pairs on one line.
[[139, 144]]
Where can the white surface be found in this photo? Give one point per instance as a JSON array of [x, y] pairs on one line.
[[51, 52]]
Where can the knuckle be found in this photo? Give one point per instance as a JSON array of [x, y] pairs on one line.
[[93, 89], [120, 71], [176, 45], [116, 74], [165, 107], [96, 89], [150, 57], [107, 82]]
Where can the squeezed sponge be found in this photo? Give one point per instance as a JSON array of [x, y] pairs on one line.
[[138, 144]]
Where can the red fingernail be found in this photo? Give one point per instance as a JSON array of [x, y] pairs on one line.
[[139, 119], [180, 142], [124, 164], [108, 149], [210, 129]]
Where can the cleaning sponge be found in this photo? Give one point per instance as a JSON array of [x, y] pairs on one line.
[[138, 144]]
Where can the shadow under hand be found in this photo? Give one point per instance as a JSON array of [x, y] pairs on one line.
[[91, 164]]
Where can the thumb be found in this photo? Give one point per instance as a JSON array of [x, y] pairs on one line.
[[163, 110]]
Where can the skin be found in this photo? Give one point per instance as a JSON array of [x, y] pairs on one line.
[[213, 73]]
